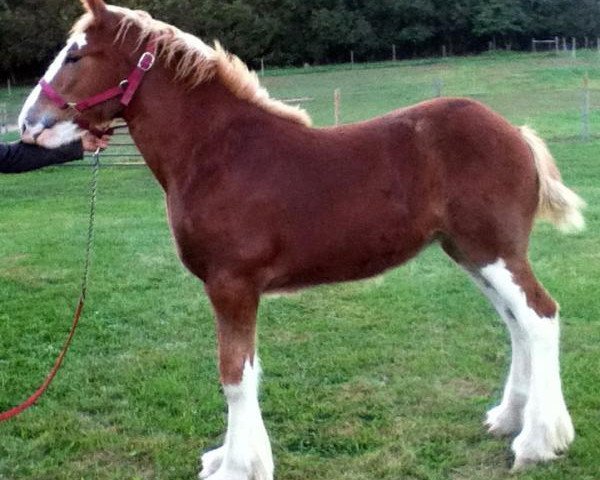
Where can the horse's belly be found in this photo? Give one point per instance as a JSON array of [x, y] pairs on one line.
[[344, 256]]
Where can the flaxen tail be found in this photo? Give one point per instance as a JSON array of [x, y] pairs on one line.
[[557, 203]]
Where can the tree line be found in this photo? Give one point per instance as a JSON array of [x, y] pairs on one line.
[[295, 32]]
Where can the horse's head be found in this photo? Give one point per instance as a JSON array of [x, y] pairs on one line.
[[90, 64]]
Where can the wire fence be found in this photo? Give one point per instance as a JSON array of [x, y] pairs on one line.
[[558, 45], [338, 104]]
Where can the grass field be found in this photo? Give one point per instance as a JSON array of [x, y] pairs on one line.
[[382, 379]]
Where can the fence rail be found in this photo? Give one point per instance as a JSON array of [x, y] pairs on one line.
[[582, 100]]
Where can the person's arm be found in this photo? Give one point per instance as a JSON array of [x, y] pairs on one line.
[[20, 157]]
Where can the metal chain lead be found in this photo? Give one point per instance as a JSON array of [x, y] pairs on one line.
[[90, 235]]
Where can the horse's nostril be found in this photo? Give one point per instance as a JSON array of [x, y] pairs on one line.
[[48, 121]]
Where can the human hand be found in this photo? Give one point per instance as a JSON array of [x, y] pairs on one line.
[[91, 142]]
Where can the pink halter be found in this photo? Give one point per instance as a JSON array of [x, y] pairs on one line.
[[126, 90]]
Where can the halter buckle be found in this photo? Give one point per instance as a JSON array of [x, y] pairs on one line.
[[146, 61]]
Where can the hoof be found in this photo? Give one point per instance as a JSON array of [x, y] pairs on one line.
[[223, 474], [543, 442], [504, 421], [523, 463], [211, 462], [214, 467]]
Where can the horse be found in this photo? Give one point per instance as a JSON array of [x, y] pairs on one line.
[[259, 201]]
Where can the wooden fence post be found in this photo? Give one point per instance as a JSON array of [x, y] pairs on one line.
[[393, 53], [533, 49], [3, 118], [352, 58], [557, 45], [574, 47], [438, 86], [262, 67], [337, 100]]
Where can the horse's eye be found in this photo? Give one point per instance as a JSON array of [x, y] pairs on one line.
[[72, 59]]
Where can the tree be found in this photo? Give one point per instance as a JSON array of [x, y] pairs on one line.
[[334, 32], [32, 32], [503, 18], [583, 18], [453, 23], [296, 31]]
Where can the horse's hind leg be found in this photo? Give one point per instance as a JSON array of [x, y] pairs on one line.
[[246, 452], [547, 428], [507, 418], [532, 402]]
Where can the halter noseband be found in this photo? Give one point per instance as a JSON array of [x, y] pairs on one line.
[[126, 90]]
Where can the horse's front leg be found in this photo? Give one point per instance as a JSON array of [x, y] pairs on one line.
[[246, 453]]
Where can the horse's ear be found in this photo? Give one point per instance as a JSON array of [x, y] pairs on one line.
[[95, 7]]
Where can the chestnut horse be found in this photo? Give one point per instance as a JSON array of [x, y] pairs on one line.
[[258, 201]]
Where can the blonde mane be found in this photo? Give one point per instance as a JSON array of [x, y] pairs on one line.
[[195, 62]]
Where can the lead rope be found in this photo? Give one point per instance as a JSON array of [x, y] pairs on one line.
[[13, 412], [90, 236]]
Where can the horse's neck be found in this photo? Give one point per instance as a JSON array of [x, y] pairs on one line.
[[169, 123]]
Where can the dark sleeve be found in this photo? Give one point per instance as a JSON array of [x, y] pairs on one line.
[[20, 157]]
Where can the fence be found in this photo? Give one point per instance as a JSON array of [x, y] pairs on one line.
[[557, 44], [3, 118], [352, 59], [341, 102], [554, 44], [123, 148], [566, 45]]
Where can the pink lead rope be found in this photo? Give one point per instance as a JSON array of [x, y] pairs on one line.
[[13, 412]]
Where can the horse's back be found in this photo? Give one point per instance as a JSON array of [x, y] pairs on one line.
[[448, 153]]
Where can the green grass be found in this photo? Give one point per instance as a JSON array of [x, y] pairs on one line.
[[382, 379]]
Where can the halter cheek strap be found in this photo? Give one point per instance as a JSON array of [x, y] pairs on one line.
[[145, 63], [126, 90]]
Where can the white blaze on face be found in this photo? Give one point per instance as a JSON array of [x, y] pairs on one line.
[[80, 39], [63, 132], [29, 103]]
